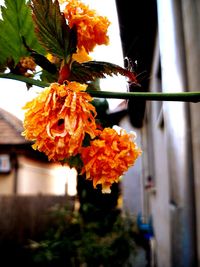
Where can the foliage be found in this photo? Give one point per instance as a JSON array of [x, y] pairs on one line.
[[39, 27], [28, 28], [72, 242], [16, 23], [52, 30], [91, 70]]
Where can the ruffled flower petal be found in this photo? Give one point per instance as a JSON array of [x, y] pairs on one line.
[[58, 119], [81, 56], [91, 28], [109, 157]]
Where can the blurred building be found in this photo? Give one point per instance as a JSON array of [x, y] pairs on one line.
[[164, 37], [24, 171]]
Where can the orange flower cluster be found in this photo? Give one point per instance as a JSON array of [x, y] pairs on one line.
[[108, 157], [91, 28], [58, 119]]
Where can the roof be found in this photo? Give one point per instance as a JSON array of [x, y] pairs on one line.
[[10, 129]]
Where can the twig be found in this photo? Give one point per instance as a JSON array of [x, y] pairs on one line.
[[179, 96]]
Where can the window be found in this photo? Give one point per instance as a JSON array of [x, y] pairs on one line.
[[5, 164]]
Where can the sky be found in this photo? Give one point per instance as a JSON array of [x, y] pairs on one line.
[[14, 94]]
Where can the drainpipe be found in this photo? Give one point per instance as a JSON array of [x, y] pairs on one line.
[[178, 135]]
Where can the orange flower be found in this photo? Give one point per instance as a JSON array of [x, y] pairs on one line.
[[81, 56], [108, 157], [58, 119], [91, 28]]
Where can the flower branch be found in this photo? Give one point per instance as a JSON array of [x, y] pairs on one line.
[[178, 96], [23, 79], [182, 97]]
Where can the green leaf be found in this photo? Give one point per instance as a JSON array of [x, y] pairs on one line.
[[48, 77], [16, 23], [44, 63], [52, 30], [91, 70], [2, 67]]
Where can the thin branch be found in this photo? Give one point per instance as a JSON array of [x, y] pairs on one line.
[[180, 96], [23, 79]]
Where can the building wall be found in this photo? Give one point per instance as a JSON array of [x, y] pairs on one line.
[[174, 202], [33, 177], [7, 183], [191, 14], [132, 181], [42, 178], [158, 193]]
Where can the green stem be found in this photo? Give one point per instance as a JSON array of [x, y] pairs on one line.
[[183, 97], [23, 79], [180, 96]]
